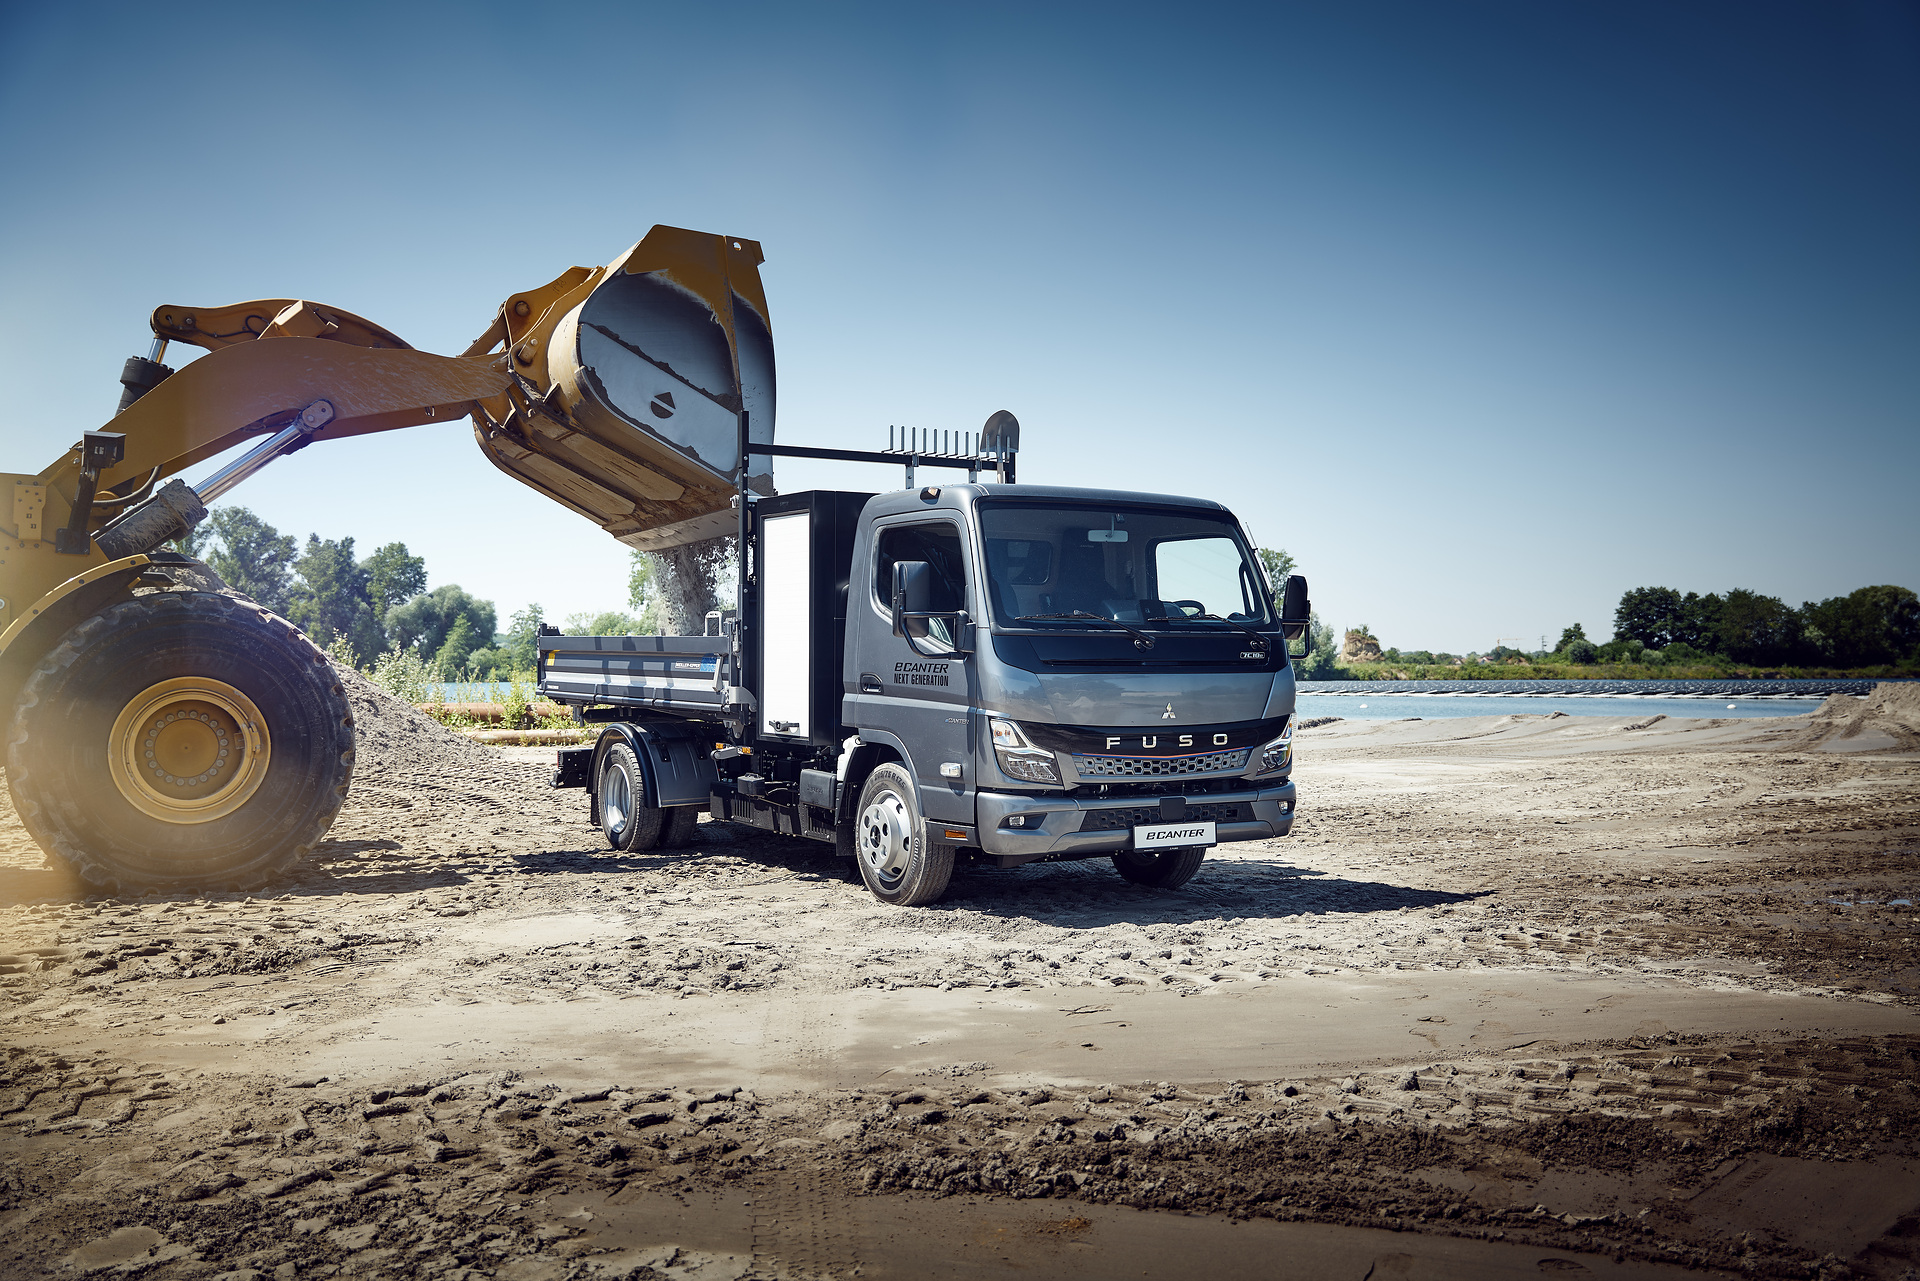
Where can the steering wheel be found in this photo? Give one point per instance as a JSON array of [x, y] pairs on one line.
[[1192, 607]]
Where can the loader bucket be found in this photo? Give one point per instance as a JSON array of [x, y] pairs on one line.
[[650, 362]]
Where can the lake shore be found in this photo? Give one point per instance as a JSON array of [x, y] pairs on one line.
[[1390, 671]]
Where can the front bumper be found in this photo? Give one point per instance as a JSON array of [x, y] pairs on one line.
[[1057, 823]]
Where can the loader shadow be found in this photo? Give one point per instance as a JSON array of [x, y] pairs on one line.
[[24, 885], [353, 868]]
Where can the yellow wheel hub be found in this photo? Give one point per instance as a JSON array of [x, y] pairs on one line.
[[189, 750]]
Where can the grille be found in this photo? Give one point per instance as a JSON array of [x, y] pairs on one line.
[[1159, 767], [1116, 820]]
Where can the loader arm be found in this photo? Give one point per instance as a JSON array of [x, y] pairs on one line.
[[236, 393]]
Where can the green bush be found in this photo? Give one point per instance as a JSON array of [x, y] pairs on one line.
[[1621, 651], [1681, 652], [1319, 666], [519, 704], [407, 676]]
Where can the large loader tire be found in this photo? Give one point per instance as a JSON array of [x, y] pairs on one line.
[[180, 741]]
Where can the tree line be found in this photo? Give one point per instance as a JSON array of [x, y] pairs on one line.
[[1871, 627], [379, 606]]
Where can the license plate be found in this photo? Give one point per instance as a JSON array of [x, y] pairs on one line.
[[1168, 836]]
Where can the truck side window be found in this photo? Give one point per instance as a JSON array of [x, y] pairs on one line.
[[938, 544]]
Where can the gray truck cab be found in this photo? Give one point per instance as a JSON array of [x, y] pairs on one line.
[[1077, 673]]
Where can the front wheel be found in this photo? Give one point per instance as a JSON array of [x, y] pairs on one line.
[[1167, 870], [897, 862], [180, 741]]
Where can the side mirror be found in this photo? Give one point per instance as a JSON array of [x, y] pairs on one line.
[[1296, 611], [912, 594]]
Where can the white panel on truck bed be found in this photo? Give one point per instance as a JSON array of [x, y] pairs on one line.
[[786, 625]]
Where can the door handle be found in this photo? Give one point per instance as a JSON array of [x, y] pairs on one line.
[[870, 684]]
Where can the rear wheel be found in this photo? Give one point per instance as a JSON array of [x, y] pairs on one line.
[[897, 862], [629, 823], [1167, 870], [678, 830], [181, 740]]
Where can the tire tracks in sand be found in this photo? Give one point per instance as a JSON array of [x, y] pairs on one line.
[[801, 1227]]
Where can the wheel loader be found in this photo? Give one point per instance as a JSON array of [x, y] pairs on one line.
[[166, 732]]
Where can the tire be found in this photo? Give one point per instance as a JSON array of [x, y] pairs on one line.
[[206, 683], [1168, 870], [897, 863], [680, 823], [629, 823]]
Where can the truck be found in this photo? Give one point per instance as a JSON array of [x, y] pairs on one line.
[[983, 670]]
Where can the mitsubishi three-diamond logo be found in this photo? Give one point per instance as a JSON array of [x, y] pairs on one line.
[[1168, 714]]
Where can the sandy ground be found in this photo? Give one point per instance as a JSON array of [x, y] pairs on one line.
[[1522, 994]]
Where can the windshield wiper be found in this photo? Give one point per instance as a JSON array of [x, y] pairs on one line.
[[1262, 641], [1140, 639]]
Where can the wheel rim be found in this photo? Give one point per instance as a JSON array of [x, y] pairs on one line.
[[616, 799], [886, 837], [189, 750]]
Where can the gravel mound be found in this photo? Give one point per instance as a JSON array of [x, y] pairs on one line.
[[428, 804], [1890, 715], [393, 736], [1896, 701]]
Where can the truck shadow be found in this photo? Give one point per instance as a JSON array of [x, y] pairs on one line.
[[1085, 894], [1078, 895], [1090, 894]]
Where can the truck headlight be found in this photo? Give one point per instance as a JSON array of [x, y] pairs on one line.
[[1275, 756], [1018, 758]]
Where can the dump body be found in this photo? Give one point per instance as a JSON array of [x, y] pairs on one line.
[[683, 676]]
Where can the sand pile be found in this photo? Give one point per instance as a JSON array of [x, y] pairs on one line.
[[426, 802], [1897, 701], [1887, 719], [392, 735]]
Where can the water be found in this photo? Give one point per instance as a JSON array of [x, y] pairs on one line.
[[1434, 706], [1397, 700], [474, 692]]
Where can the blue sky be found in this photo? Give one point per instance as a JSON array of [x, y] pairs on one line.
[[1485, 311]]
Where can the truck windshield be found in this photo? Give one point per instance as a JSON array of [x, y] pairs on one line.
[[1148, 567]]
